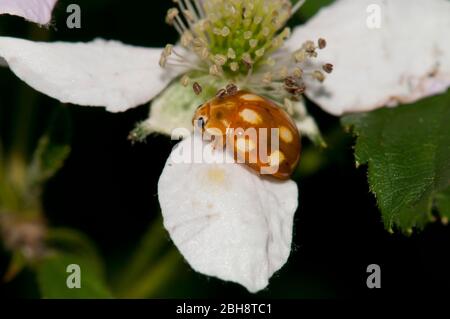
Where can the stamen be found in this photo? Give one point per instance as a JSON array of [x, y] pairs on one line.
[[185, 80], [192, 10], [197, 88], [322, 43], [328, 67], [319, 76], [199, 8], [231, 54], [215, 70], [242, 40]]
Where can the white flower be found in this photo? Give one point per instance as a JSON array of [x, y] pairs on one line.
[[226, 221], [39, 11]]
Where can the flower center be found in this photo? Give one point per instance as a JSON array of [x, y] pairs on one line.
[[235, 40]]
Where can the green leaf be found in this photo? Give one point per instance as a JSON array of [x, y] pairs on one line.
[[53, 275], [407, 150], [443, 204], [51, 151], [76, 243], [310, 8], [47, 160], [69, 247]]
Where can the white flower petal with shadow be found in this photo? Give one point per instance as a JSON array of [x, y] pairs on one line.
[[97, 73], [38, 11], [227, 221], [406, 59]]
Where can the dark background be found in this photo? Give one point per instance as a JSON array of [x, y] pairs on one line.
[[108, 187]]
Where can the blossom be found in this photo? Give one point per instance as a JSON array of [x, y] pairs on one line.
[[38, 11], [226, 221]]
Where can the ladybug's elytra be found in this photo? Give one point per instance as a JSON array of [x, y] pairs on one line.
[[240, 112]]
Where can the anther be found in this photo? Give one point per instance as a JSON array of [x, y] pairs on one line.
[[197, 88], [185, 80], [221, 93], [231, 54], [231, 89], [253, 43], [172, 13], [319, 76], [220, 59], [215, 70], [322, 43], [234, 66], [328, 67]]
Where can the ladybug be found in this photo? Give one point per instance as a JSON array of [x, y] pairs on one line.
[[260, 134]]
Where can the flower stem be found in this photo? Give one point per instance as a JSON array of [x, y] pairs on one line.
[[150, 266], [148, 285], [22, 120]]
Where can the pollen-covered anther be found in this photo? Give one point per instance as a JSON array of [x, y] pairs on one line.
[[260, 52], [293, 86], [247, 59], [189, 15], [163, 60], [231, 54], [168, 49], [172, 13], [187, 38], [197, 88], [234, 66], [283, 72], [165, 55], [225, 31], [328, 67], [220, 59], [318, 75], [204, 53], [253, 43], [290, 81], [300, 56], [322, 43], [185, 80], [297, 72], [215, 70], [267, 78], [231, 89], [310, 49]]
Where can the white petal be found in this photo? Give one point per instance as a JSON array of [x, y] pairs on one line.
[[227, 221], [39, 11], [406, 59], [98, 73]]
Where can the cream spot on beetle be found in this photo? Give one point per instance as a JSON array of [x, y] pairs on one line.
[[245, 144], [250, 116], [276, 158], [286, 134], [251, 97]]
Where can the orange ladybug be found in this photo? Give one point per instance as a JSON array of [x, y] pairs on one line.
[[260, 134]]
